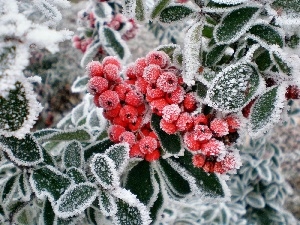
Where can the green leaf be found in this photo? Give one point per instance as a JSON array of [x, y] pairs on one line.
[[104, 169], [266, 111], [207, 31], [45, 132], [255, 200], [79, 84], [23, 186], [170, 143], [90, 53], [139, 182], [73, 155], [263, 60], [140, 10], [267, 33], [98, 147], [75, 200], [175, 179], [168, 49], [119, 153], [48, 181], [287, 5], [209, 184], [9, 188], [201, 90], [69, 135], [283, 66], [214, 55], [48, 215], [159, 6], [234, 87], [107, 203], [76, 175], [91, 215], [175, 13], [24, 152], [235, 24], [157, 206], [48, 159]]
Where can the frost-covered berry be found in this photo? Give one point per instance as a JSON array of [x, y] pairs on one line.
[[130, 71], [202, 133], [200, 119], [190, 142], [114, 132], [109, 100], [148, 144], [128, 137], [170, 113], [152, 73], [190, 102], [153, 156], [218, 168], [134, 126], [153, 92], [121, 90], [233, 123], [157, 57], [134, 98], [94, 69], [230, 162], [140, 65], [219, 127], [118, 121], [167, 82], [198, 160], [128, 114], [111, 60], [169, 128], [184, 122], [213, 147], [292, 92], [176, 97], [109, 114], [208, 167], [157, 106], [111, 73], [135, 151], [97, 85], [141, 85]]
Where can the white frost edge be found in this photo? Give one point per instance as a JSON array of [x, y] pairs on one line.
[[126, 155], [130, 10], [78, 89], [111, 201]]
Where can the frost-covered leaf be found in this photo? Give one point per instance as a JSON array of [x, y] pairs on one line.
[[129, 8], [49, 10], [48, 215], [175, 13], [170, 143], [73, 155], [107, 203], [76, 175], [139, 182], [130, 210], [255, 200], [113, 43], [267, 33], [104, 169], [229, 2], [191, 52], [290, 5], [98, 147], [201, 90], [263, 60], [168, 49], [234, 87], [41, 133], [271, 192], [24, 216], [24, 187], [119, 153], [282, 64], [140, 10], [78, 112], [48, 159], [24, 152], [264, 171], [235, 24], [9, 188], [214, 55], [159, 6], [75, 200], [102, 10], [157, 207], [69, 135], [79, 84], [48, 181], [266, 110], [91, 215], [90, 54]]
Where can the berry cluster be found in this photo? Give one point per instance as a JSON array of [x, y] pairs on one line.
[[153, 85]]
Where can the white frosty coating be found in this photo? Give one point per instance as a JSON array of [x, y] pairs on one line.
[[125, 157], [274, 117], [229, 2], [78, 208], [156, 187], [90, 54], [9, 195], [78, 113], [112, 203], [26, 185], [191, 52], [61, 3], [219, 9], [95, 119], [129, 8], [79, 88], [64, 121], [115, 182], [132, 200], [64, 156], [49, 10]]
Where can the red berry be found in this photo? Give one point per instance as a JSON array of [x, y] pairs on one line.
[[157, 105], [153, 156], [128, 114], [218, 168], [130, 71], [247, 108], [170, 113], [167, 82], [114, 132], [157, 57], [213, 147], [190, 142], [153, 92], [208, 167], [121, 90], [169, 128], [219, 127], [134, 98], [200, 119], [176, 96], [233, 123], [152, 73], [198, 160], [135, 151], [94, 69], [109, 100], [134, 126], [111, 73], [140, 65], [118, 121], [292, 92], [184, 122], [189, 102], [229, 162], [113, 112], [141, 85], [97, 85], [111, 60], [128, 137], [202, 133], [141, 109], [148, 144]]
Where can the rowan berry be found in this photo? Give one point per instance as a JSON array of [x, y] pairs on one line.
[[233, 123], [118, 121], [176, 97], [111, 60], [130, 71], [158, 57], [140, 65], [190, 102], [190, 142], [198, 160], [229, 162], [208, 167], [94, 69], [292, 92], [170, 113], [111, 73], [167, 82], [121, 90], [153, 92], [147, 144], [128, 114], [134, 126], [153, 156], [141, 109], [128, 137], [200, 119], [97, 85], [218, 168], [113, 112], [134, 98], [219, 127], [213, 147], [135, 151], [184, 122], [141, 85], [157, 105], [169, 128], [202, 133], [114, 132], [152, 73], [109, 100]]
